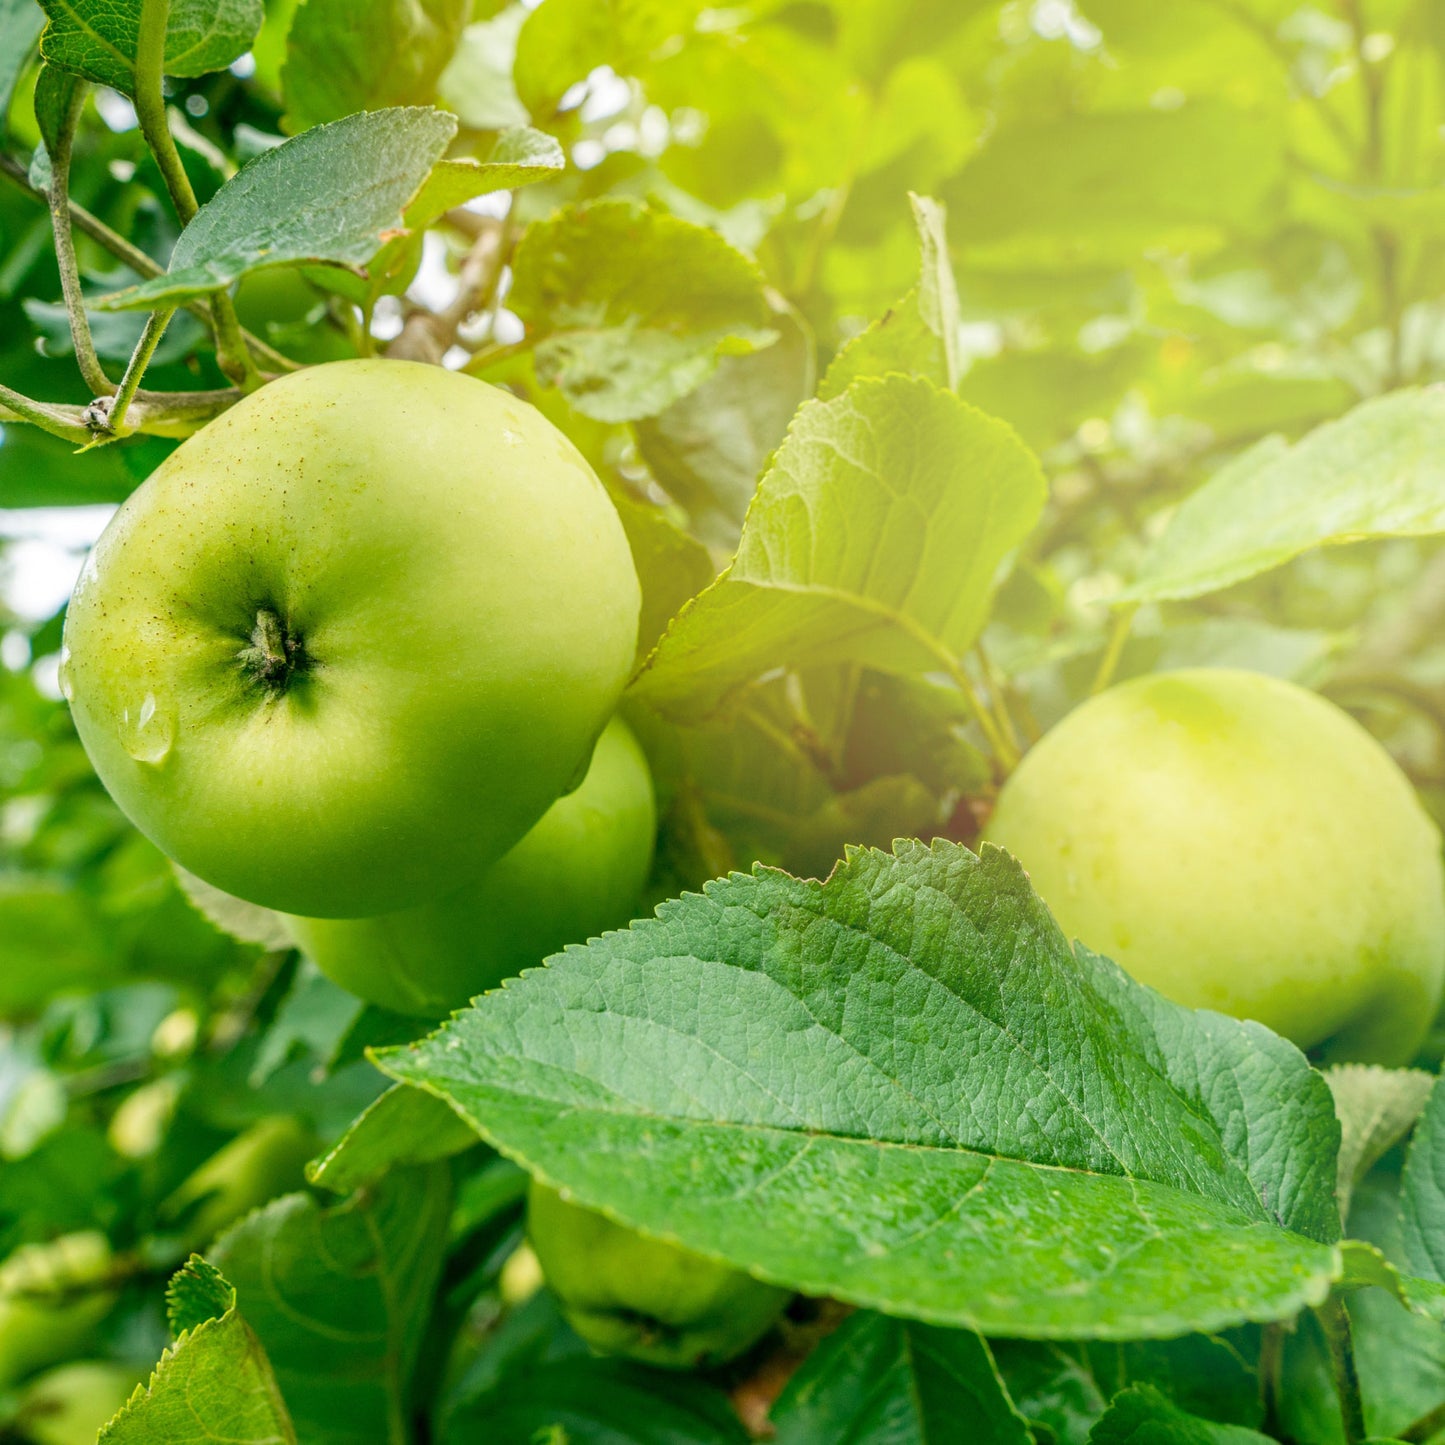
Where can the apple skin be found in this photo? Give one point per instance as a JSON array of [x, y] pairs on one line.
[[347, 643], [627, 1294], [1243, 845], [577, 873], [69, 1404], [52, 1297]]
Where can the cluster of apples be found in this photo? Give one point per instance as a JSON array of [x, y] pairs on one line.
[[352, 653]]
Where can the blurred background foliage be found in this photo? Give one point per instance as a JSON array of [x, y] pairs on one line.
[[1175, 228]]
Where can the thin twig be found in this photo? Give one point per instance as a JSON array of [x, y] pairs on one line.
[[57, 197], [150, 107], [232, 354], [156, 413], [1335, 1322], [427, 335], [155, 328], [66, 422], [998, 695], [1118, 636]]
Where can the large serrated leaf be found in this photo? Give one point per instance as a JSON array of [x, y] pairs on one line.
[[338, 1296], [631, 307], [330, 194], [874, 538], [902, 1088], [1379, 471], [97, 39]]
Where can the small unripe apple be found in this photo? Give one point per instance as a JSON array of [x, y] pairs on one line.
[[1240, 844], [69, 1404], [52, 1296], [347, 643], [578, 873], [267, 1159], [626, 1294]]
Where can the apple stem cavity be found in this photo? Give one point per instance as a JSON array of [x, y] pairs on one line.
[[275, 655]]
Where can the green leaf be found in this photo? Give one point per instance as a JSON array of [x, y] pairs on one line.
[[918, 336], [583, 1401], [520, 157], [672, 565], [902, 1088], [20, 22], [1422, 1192], [1067, 1385], [348, 55], [198, 1292], [357, 176], [1142, 1416], [876, 1378], [215, 1383], [339, 1296], [563, 41], [900, 340], [633, 308], [247, 922], [477, 83], [1377, 1107], [403, 1126], [1109, 185], [1379, 471], [709, 448], [937, 291], [50, 939], [97, 39], [874, 538]]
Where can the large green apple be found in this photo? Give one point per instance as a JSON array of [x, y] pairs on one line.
[[577, 873], [348, 643], [626, 1294], [1242, 845]]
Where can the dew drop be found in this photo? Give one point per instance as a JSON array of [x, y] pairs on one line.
[[511, 438], [147, 731], [62, 676]]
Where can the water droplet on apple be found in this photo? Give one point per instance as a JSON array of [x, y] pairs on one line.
[[511, 438], [62, 676], [147, 731]]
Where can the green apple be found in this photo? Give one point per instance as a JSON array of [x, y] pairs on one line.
[[265, 1160], [626, 1294], [348, 643], [281, 307], [1242, 845], [52, 1297], [577, 873], [69, 1404]]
